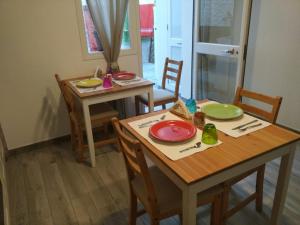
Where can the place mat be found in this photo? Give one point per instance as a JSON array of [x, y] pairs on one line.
[[136, 80], [226, 125], [171, 150], [86, 90]]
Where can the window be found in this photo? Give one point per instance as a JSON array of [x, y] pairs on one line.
[[92, 39]]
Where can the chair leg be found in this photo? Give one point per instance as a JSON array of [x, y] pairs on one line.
[[216, 214], [133, 209], [260, 188], [73, 141], [180, 218], [137, 106], [225, 203], [154, 221], [73, 137], [79, 151]]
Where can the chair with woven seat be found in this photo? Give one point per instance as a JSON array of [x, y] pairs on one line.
[[101, 115], [164, 96], [270, 116], [160, 197]]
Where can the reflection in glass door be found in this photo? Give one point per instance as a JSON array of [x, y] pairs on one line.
[[220, 34]]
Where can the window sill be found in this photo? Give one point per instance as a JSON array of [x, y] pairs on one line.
[[99, 55]]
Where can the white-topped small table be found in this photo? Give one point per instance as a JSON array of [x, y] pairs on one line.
[[114, 93]]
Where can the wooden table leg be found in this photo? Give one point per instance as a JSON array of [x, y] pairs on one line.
[[282, 184], [189, 205], [89, 133], [150, 99]]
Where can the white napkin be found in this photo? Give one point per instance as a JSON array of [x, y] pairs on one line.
[[136, 80], [171, 150], [226, 126]]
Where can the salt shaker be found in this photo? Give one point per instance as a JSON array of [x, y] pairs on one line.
[[107, 81], [199, 119]]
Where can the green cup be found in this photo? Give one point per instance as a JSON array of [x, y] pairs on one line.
[[209, 135]]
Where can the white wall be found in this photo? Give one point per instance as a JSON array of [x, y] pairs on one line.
[[37, 39], [273, 61]]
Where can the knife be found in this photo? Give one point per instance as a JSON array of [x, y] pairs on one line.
[[147, 123], [240, 126], [129, 81]]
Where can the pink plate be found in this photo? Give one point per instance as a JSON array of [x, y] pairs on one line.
[[124, 76], [173, 131]]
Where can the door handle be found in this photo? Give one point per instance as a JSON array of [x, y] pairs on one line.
[[229, 51]]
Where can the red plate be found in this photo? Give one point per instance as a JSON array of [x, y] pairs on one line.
[[172, 131], [124, 76]]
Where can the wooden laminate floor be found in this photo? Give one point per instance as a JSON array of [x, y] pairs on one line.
[[48, 187]]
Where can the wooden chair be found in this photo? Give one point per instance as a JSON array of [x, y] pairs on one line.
[[3, 181], [163, 96], [269, 116], [160, 197], [4, 152], [101, 115]]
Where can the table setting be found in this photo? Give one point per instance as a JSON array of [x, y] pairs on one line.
[[107, 81], [230, 119], [126, 78], [172, 135], [188, 128]]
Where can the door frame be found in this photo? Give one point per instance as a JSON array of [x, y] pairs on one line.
[[162, 32]]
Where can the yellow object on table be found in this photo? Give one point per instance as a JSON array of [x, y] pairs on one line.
[[89, 83]]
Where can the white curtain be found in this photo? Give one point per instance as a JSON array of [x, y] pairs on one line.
[[108, 17]]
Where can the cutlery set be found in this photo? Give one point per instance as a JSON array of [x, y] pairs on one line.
[[245, 126], [150, 123], [197, 145], [129, 81]]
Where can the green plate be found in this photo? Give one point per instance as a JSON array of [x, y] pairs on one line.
[[89, 83], [222, 111]]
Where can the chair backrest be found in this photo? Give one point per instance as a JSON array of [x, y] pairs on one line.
[[69, 100], [274, 102], [3, 145], [135, 163], [172, 71], [72, 110]]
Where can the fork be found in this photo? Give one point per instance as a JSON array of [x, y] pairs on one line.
[[246, 128]]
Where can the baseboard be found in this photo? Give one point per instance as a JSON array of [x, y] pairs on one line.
[[37, 145]]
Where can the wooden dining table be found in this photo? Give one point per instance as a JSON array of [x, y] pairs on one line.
[[202, 170], [95, 97]]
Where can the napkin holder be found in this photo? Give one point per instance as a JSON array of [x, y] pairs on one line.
[[180, 109]]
